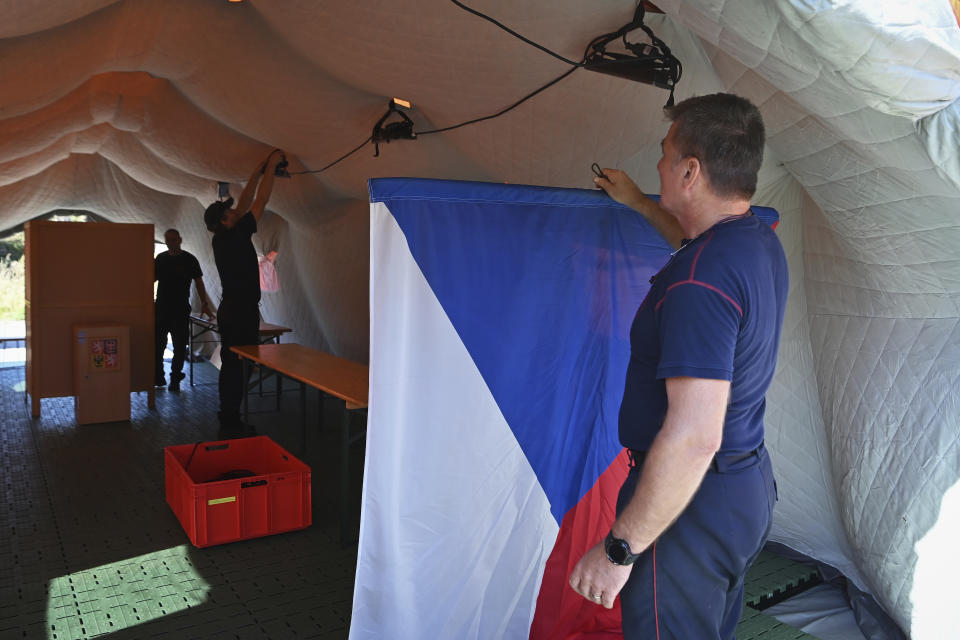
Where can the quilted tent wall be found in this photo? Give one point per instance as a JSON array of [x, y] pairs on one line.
[[133, 109]]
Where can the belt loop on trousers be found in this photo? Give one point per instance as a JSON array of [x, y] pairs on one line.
[[723, 462]]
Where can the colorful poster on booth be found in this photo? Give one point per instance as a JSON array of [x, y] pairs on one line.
[[103, 354]]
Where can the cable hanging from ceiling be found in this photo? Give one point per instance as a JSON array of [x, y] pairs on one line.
[[652, 64]]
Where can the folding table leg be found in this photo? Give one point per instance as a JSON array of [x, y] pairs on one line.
[[347, 440], [303, 419], [279, 386], [321, 396], [246, 376], [344, 476], [190, 349]]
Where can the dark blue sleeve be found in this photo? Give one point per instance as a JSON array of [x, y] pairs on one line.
[[699, 325]]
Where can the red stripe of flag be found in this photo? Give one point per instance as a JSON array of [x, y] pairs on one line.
[[561, 613]]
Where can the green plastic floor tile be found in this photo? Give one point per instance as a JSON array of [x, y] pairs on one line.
[[90, 549], [773, 579], [754, 625]]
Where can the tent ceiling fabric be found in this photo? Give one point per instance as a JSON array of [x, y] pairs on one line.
[[133, 109]]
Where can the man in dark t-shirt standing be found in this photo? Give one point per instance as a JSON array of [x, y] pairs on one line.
[[173, 270], [239, 313]]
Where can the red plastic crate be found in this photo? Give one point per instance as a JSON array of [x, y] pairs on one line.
[[214, 511]]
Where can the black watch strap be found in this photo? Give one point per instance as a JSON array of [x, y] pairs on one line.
[[618, 551]]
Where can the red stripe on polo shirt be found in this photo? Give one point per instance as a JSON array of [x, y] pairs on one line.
[[699, 283]]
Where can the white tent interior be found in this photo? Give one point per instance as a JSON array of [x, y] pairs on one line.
[[133, 109]]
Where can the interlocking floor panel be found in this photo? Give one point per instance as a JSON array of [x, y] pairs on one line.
[[90, 549], [773, 579], [754, 625]]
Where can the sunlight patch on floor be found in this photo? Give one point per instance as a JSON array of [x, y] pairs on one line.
[[123, 594]]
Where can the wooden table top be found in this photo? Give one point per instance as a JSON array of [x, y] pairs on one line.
[[345, 379]]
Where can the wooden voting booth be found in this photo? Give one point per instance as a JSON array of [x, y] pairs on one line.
[[89, 276]]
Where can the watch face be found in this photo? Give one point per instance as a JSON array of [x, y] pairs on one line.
[[616, 551]]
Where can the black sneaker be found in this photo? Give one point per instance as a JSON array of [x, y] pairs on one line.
[[160, 382], [175, 379]]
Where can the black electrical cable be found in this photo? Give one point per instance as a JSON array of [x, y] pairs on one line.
[[186, 467], [502, 111], [343, 157], [515, 34], [637, 18], [574, 65], [451, 127]]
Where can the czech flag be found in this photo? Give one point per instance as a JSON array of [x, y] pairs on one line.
[[499, 323]]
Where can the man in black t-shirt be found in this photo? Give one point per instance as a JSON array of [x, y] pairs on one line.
[[239, 314], [173, 270]]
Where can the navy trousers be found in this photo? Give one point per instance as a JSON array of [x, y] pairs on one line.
[[689, 583]]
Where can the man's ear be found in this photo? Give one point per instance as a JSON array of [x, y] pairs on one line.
[[692, 170]]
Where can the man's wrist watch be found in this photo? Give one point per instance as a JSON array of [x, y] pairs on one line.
[[618, 551]]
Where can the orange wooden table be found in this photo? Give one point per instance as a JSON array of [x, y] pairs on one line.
[[338, 377], [200, 325]]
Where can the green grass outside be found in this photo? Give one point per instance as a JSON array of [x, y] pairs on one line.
[[11, 288], [12, 270]]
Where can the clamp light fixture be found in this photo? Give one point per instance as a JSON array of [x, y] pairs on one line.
[[401, 129], [652, 63]]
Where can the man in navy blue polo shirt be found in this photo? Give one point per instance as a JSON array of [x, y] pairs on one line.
[[697, 504]]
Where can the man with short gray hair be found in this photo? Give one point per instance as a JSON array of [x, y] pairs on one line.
[[697, 504]]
